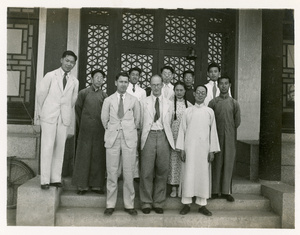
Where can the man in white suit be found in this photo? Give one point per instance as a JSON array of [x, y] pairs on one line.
[[120, 117], [56, 97], [156, 139]]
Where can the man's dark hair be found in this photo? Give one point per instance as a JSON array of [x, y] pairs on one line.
[[97, 71], [135, 69], [188, 71], [224, 77], [167, 67], [213, 65], [123, 74], [70, 53], [200, 86]]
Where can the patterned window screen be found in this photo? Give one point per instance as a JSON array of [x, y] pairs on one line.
[[215, 48], [180, 30], [179, 64], [144, 62], [288, 76], [97, 51]]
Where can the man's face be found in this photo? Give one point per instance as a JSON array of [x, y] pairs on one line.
[[156, 85], [98, 80], [213, 73], [167, 76], [188, 79], [134, 77], [122, 84], [200, 95], [224, 85], [67, 63]]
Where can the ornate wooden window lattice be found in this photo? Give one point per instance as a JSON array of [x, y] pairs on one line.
[[179, 64], [215, 48], [97, 51], [138, 27], [180, 30], [144, 62]]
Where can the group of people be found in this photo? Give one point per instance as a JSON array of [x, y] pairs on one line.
[[177, 134]]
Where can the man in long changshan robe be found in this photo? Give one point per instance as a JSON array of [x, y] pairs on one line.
[[90, 163], [198, 140]]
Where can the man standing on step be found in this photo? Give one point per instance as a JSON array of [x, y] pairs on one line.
[[120, 117], [198, 142], [156, 139], [228, 119], [56, 97]]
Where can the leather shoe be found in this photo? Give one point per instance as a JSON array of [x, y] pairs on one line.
[[131, 211], [44, 186], [98, 191], [158, 210], [214, 196], [228, 197], [81, 192], [146, 210], [203, 210], [56, 184], [186, 209], [109, 211]]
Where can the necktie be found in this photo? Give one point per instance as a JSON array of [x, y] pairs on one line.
[[121, 108], [65, 80], [133, 88], [214, 90], [157, 114]]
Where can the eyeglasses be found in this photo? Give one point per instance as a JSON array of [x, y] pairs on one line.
[[200, 92], [156, 85]]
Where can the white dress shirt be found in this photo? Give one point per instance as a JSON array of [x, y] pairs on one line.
[[139, 92]]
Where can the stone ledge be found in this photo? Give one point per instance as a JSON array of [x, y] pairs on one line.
[[37, 207], [282, 199]]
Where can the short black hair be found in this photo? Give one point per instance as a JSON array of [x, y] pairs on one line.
[[135, 69], [97, 71], [70, 53], [167, 67], [123, 74], [188, 71], [224, 77], [200, 85], [213, 65]]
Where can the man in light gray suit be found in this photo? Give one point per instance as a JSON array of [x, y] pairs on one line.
[[56, 96], [120, 117], [156, 139]]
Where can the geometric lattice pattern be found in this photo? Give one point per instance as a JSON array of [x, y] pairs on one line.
[[144, 62], [179, 64], [22, 61], [215, 48], [97, 51], [138, 27], [215, 20], [180, 30], [98, 12]]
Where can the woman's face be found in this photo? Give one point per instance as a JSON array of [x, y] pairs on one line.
[[179, 91]]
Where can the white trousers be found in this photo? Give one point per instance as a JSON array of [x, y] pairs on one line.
[[120, 152], [199, 201], [53, 141]]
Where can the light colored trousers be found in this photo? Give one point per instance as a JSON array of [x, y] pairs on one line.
[[53, 141], [120, 152]]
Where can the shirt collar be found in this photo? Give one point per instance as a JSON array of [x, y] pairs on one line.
[[118, 95], [212, 82], [62, 72], [154, 97], [199, 105], [224, 96]]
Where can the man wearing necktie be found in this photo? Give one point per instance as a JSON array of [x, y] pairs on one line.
[[167, 74], [120, 117], [56, 96], [213, 72], [156, 140]]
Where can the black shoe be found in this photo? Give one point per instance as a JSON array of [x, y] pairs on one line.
[[137, 180], [146, 210], [56, 184], [81, 192], [109, 211], [228, 197], [203, 210], [45, 186], [214, 196], [186, 209], [158, 210], [98, 191], [131, 211]]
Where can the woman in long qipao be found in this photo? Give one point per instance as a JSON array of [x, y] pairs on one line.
[[90, 160]]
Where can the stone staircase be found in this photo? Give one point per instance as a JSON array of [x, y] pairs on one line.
[[250, 210]]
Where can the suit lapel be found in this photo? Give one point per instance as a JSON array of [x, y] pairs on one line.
[[115, 102], [127, 101], [58, 79], [69, 83], [165, 107], [150, 107]]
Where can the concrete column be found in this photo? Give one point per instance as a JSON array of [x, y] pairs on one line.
[[248, 77]]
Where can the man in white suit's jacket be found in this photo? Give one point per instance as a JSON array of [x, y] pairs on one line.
[[56, 96], [156, 140]]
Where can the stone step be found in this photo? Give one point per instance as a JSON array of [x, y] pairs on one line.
[[90, 199], [239, 185], [171, 218]]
